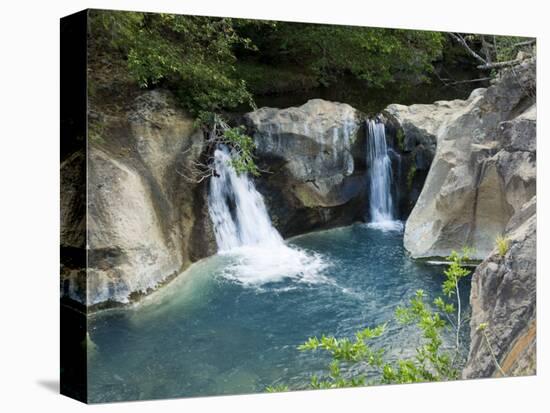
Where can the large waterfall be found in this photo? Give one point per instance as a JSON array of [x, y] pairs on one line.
[[244, 231], [380, 179], [237, 210]]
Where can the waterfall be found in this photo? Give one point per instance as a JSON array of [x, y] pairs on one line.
[[236, 209], [380, 179], [244, 231]]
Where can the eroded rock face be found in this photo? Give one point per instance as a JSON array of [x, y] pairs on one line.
[[146, 222], [316, 153], [73, 225], [484, 164], [504, 297]]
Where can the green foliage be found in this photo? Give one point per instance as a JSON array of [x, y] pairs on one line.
[[348, 350], [193, 55], [455, 273], [503, 245], [506, 47], [214, 63], [277, 388], [241, 144], [432, 360], [345, 351], [244, 146], [377, 56], [496, 49]]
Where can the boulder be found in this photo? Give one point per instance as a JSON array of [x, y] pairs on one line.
[[483, 168], [146, 220], [503, 297], [315, 158], [128, 249]]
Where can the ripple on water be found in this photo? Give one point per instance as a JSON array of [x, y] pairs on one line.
[[231, 323]]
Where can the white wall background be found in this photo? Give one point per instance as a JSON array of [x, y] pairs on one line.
[[29, 188]]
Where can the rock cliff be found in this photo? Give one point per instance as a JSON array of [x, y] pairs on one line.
[[145, 221], [482, 184], [483, 168], [504, 298]]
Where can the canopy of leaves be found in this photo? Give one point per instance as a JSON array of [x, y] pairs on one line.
[[376, 55], [192, 55], [212, 63]]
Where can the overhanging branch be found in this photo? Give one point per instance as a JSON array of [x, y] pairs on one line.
[[499, 65], [458, 37]]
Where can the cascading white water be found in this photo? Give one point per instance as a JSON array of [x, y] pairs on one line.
[[237, 210], [380, 178], [243, 230]]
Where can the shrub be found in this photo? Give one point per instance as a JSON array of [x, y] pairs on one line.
[[503, 244]]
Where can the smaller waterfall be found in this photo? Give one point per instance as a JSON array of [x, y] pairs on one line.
[[380, 179], [244, 231]]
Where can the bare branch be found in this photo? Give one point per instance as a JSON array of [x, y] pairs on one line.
[[499, 65], [458, 37], [459, 82], [525, 43]]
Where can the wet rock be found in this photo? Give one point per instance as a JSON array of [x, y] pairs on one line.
[[316, 156]]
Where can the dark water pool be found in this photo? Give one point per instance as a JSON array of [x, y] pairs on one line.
[[210, 333]]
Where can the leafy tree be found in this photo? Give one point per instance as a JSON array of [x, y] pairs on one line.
[[432, 361], [197, 56], [243, 147], [375, 55], [192, 55]]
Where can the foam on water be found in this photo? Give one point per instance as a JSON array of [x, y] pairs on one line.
[[257, 265], [387, 225]]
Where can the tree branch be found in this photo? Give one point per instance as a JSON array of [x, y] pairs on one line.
[[499, 65], [525, 43], [464, 44], [459, 82]]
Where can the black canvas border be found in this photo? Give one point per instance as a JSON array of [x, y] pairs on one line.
[[73, 138]]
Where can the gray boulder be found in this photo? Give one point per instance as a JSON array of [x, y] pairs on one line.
[[484, 165], [316, 156]]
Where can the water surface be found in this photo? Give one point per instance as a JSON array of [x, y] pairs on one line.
[[216, 331]]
